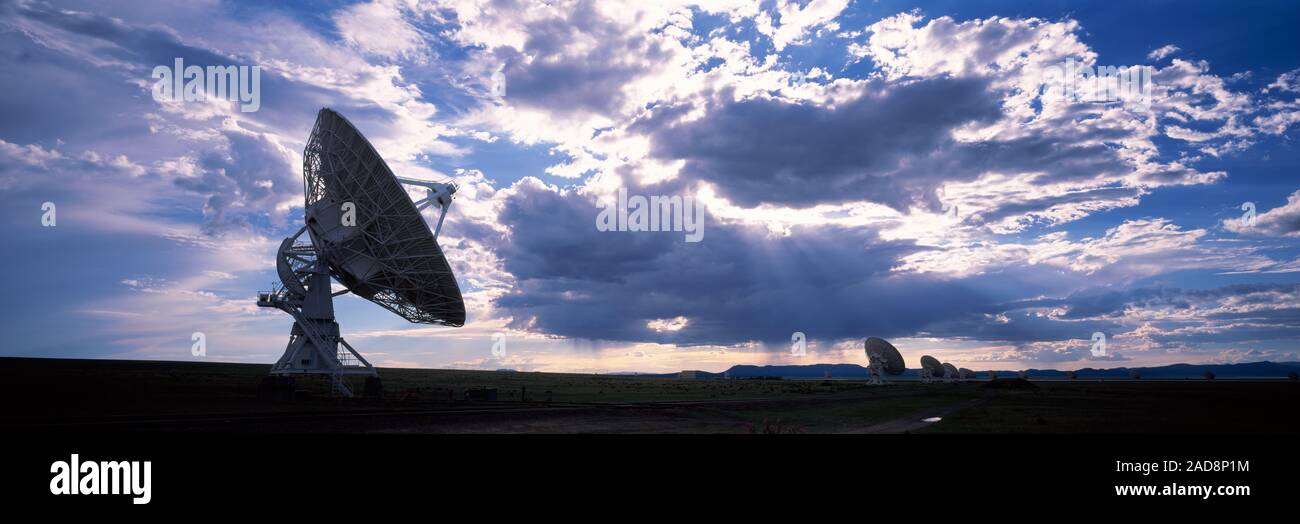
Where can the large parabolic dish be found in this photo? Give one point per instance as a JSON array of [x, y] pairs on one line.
[[366, 233], [389, 257], [891, 361]]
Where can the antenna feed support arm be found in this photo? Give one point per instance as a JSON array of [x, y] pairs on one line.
[[440, 194]]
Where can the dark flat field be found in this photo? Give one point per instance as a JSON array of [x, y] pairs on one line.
[[103, 395]]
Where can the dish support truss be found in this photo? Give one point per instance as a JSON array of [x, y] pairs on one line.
[[315, 346], [389, 257], [877, 369]]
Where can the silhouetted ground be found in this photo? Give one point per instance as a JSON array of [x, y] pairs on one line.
[[69, 395], [1010, 383]]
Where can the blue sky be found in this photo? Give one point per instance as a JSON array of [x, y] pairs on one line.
[[826, 141]]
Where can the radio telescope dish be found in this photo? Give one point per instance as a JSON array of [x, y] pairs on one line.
[[950, 372], [884, 359], [930, 368], [389, 257], [365, 232]]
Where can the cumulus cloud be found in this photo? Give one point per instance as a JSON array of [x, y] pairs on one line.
[[859, 150], [379, 28], [955, 115], [249, 172], [1283, 220], [1131, 250], [1161, 52], [1288, 82], [793, 21]]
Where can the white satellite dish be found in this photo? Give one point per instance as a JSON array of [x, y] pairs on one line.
[[385, 254], [883, 359]]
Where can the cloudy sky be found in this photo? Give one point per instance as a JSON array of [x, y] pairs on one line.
[[895, 169]]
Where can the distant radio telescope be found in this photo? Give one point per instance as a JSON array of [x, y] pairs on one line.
[[884, 359], [950, 372], [930, 368]]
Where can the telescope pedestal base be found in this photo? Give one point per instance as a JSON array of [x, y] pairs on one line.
[[315, 347], [877, 374]]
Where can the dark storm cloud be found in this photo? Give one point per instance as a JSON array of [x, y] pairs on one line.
[[772, 151], [736, 285], [891, 146], [743, 284], [566, 244], [740, 284]]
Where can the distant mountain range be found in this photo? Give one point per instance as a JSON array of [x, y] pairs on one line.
[[854, 371]]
